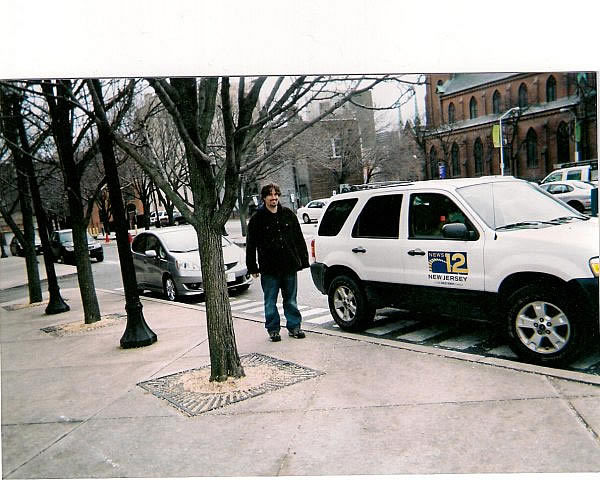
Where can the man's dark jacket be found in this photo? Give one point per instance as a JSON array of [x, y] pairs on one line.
[[278, 240]]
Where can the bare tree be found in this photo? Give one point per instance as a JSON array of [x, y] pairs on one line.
[[193, 104], [15, 132]]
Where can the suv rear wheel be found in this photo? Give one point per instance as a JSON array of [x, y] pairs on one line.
[[349, 305], [543, 327]]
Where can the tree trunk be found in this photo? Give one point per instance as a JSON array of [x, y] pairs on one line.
[[224, 358], [31, 263], [85, 277]]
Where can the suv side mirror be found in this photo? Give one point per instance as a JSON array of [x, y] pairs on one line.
[[455, 230]]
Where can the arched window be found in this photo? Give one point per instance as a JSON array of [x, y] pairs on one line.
[[496, 102], [551, 89], [478, 154], [433, 163], [562, 143], [451, 113], [523, 99], [454, 155], [473, 108], [531, 141]]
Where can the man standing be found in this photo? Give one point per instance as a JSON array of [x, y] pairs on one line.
[[274, 233]]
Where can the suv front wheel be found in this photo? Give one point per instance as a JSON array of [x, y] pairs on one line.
[[543, 327], [348, 304]]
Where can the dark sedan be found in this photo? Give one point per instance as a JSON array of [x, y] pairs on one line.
[[63, 248]]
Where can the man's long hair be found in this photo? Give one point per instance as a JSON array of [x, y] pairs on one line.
[[266, 190]]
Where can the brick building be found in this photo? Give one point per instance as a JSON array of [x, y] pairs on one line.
[[316, 161], [555, 122]]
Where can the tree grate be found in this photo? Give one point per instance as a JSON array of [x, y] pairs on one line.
[[195, 402], [78, 328]]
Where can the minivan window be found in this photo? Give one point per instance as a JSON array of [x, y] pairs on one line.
[[335, 216], [379, 218], [574, 175]]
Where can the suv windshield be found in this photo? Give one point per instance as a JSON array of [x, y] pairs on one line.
[[508, 203]]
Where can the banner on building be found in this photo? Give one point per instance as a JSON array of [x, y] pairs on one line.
[[496, 135]]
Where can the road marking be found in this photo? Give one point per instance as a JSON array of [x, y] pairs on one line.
[[242, 307], [423, 334], [239, 302], [387, 328], [315, 311], [504, 350], [464, 341], [320, 320]]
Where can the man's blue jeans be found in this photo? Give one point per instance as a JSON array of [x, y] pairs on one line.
[[288, 284]]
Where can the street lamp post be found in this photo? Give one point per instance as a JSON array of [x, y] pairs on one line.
[[568, 110], [514, 109]]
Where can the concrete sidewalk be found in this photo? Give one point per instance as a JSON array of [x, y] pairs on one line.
[[76, 405], [13, 271]]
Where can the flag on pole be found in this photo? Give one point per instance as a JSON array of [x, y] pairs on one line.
[[496, 135]]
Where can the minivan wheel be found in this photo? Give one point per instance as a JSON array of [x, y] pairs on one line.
[[543, 328], [169, 289], [306, 218], [348, 304]]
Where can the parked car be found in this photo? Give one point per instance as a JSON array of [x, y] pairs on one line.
[[63, 247], [313, 210], [167, 260], [490, 247], [574, 193], [585, 171], [17, 250]]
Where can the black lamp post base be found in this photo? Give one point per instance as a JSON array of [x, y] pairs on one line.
[[56, 305], [137, 332]]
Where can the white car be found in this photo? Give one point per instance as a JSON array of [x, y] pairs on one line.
[[574, 193], [162, 217], [492, 247], [313, 210]]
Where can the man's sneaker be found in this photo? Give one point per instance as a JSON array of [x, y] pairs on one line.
[[274, 336], [297, 333]]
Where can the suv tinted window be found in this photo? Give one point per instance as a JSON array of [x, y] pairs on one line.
[[429, 212], [335, 216], [380, 218]]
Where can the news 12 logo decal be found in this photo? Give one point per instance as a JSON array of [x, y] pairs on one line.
[[448, 265]]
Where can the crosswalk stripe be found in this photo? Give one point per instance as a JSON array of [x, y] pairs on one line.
[[255, 309], [382, 330], [239, 302], [315, 311], [464, 341], [504, 350], [320, 320], [242, 307], [423, 334]]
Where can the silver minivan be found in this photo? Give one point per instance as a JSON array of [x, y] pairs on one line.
[[167, 260]]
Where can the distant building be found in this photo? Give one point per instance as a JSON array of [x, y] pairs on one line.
[[548, 119]]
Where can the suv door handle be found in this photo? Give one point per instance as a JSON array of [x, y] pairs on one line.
[[359, 250], [418, 251]]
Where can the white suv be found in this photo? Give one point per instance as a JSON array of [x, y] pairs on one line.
[[490, 247]]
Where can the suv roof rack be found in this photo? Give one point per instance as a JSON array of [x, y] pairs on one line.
[[592, 163], [368, 186]]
